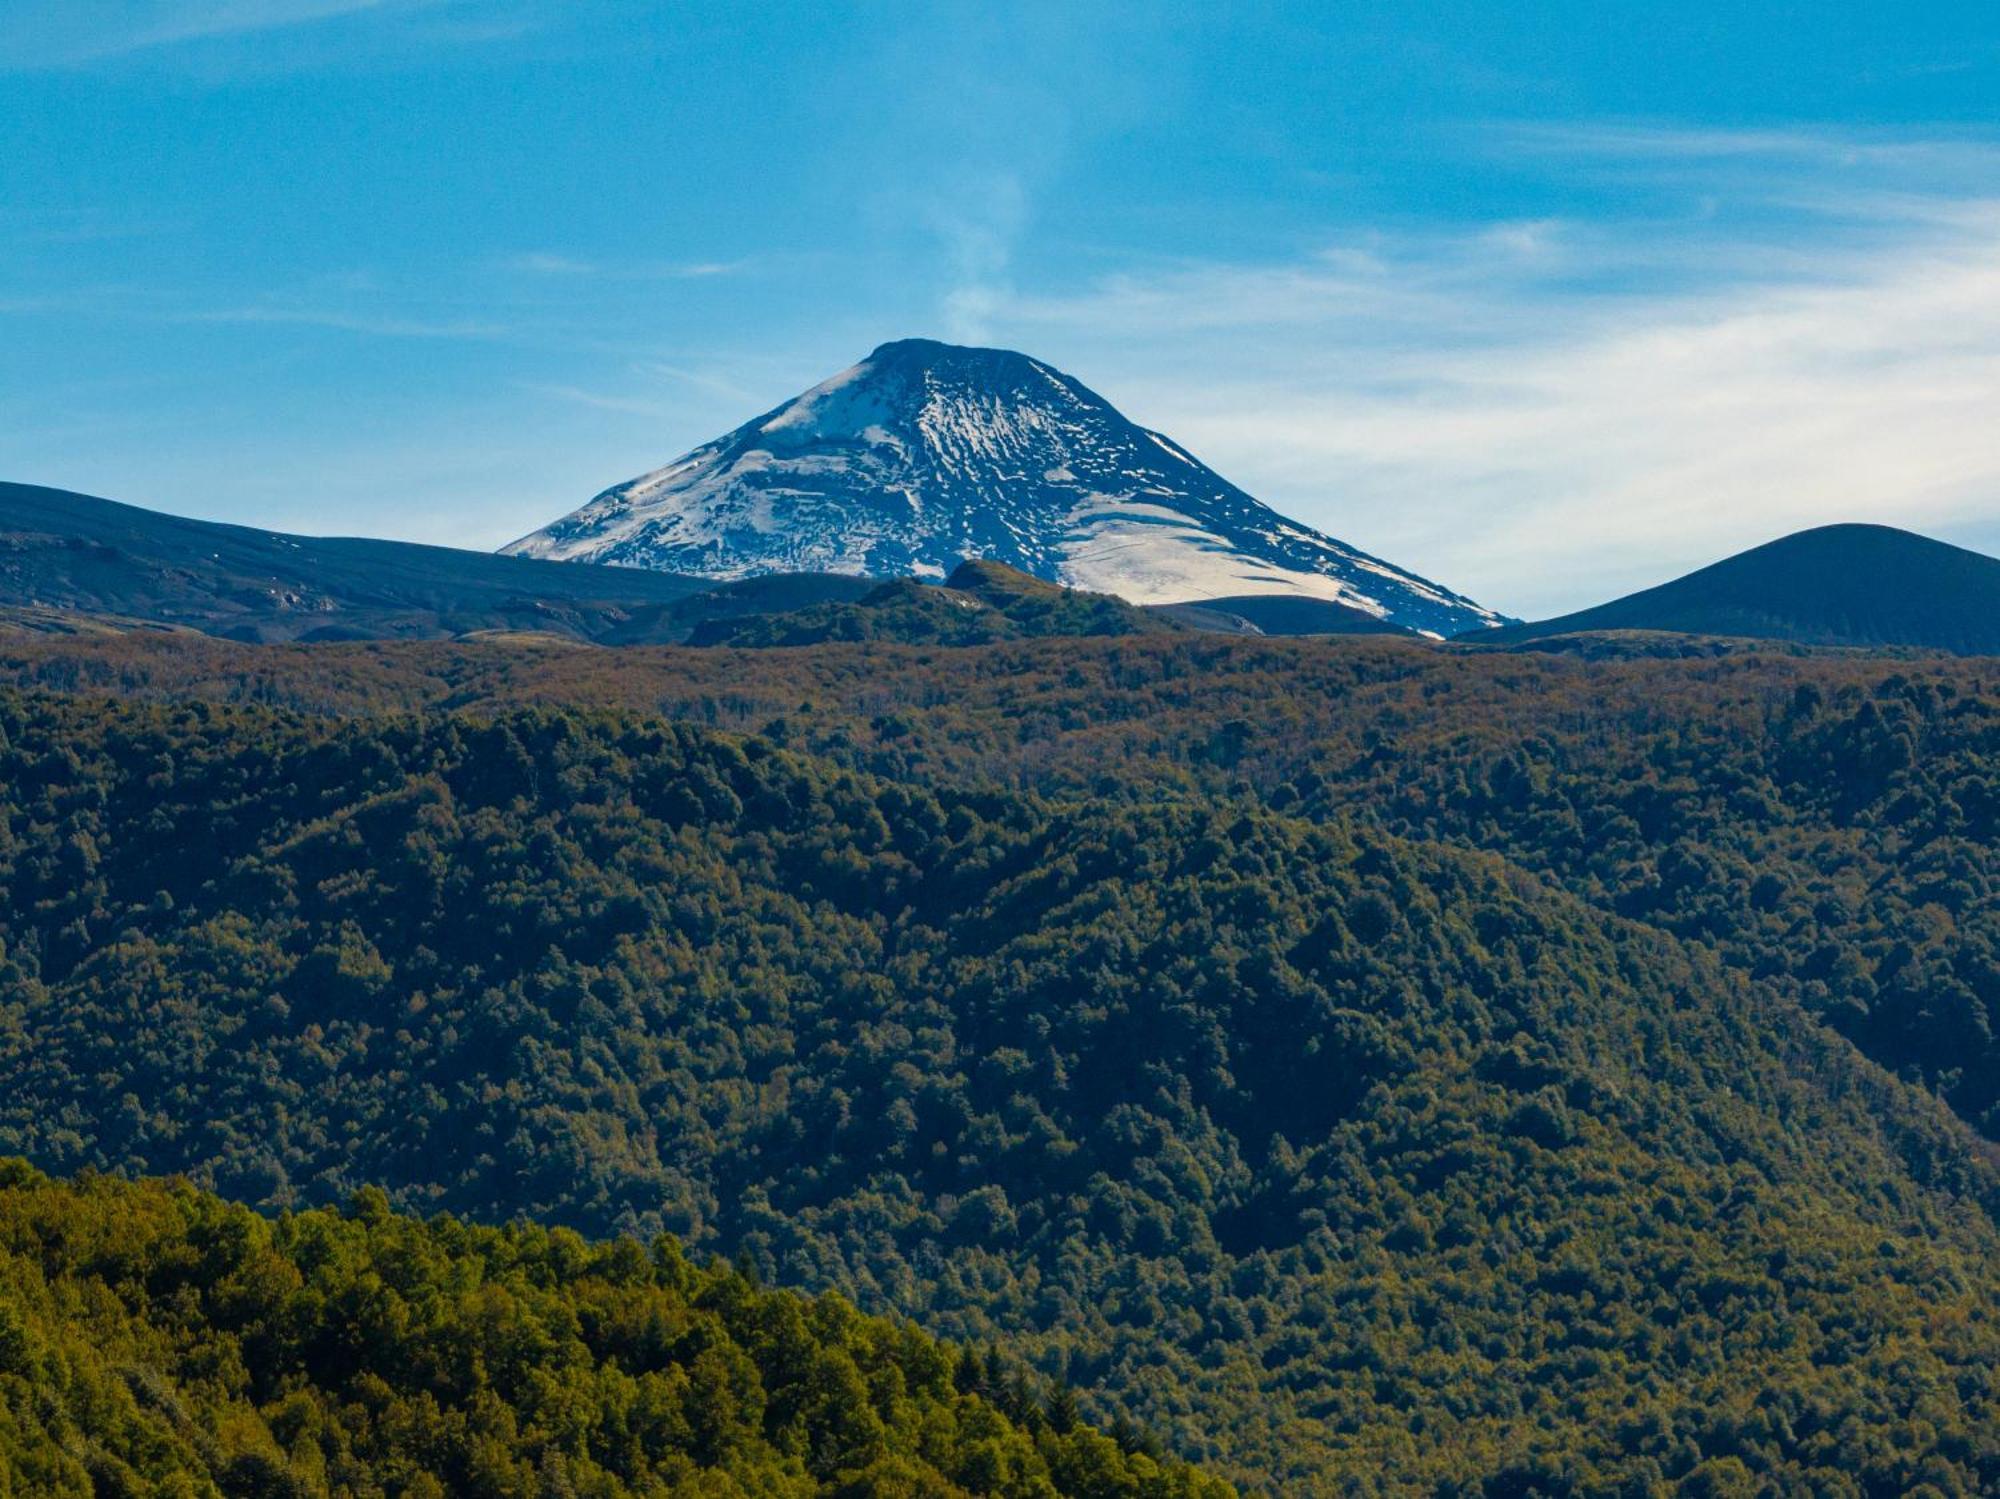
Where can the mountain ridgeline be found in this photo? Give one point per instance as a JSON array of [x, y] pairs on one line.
[[73, 563], [928, 454]]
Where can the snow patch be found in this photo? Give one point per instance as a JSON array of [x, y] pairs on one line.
[[799, 410]]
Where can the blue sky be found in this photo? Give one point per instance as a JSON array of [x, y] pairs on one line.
[[1545, 301]]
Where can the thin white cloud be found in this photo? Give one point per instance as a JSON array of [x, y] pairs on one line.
[[710, 382], [1544, 414], [188, 21], [45, 225], [596, 400], [655, 389], [542, 263], [1763, 149], [549, 263], [379, 326], [74, 33], [977, 221]]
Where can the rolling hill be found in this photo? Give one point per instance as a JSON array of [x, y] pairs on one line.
[[74, 562], [1845, 585]]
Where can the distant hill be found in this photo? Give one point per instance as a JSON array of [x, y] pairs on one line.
[[981, 602], [71, 561], [1850, 585]]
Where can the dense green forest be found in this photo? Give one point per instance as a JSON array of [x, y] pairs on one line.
[[1057, 997], [157, 1341], [1826, 823]]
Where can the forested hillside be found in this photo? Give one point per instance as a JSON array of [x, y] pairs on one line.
[[155, 1340], [1350, 1160], [1826, 823], [981, 602]]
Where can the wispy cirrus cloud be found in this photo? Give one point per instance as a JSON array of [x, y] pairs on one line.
[[548, 263], [46, 225], [652, 387], [1546, 412], [596, 400], [976, 224], [374, 325], [71, 33], [349, 303], [179, 22], [541, 263]]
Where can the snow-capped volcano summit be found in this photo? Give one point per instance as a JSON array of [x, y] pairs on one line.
[[925, 454]]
